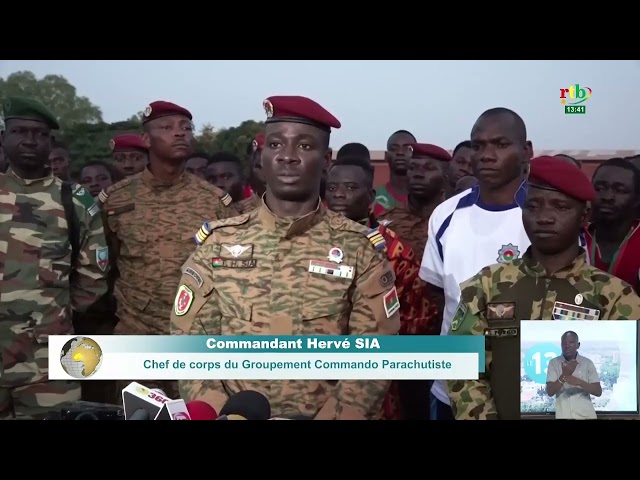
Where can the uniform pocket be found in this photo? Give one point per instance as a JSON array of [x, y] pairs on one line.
[[237, 319], [135, 243]]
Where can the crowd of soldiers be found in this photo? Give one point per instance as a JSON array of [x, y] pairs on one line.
[[164, 239]]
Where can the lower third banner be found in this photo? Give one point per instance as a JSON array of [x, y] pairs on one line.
[[155, 357]]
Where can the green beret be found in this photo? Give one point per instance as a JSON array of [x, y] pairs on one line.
[[28, 109]]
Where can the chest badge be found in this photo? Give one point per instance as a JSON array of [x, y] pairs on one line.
[[508, 253], [237, 250], [335, 255]]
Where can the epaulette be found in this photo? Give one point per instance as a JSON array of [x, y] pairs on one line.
[[376, 238], [85, 198], [225, 198], [208, 227], [103, 196]]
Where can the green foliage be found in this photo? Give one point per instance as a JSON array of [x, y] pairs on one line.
[[88, 136], [56, 93]]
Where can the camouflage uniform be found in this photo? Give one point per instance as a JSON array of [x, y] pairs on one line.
[[524, 286], [251, 277], [37, 294], [146, 221], [248, 204]]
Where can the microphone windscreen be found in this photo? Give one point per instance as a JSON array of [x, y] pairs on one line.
[[199, 410], [249, 404]]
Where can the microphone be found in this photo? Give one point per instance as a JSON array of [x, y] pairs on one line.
[[199, 410], [142, 403], [247, 404]]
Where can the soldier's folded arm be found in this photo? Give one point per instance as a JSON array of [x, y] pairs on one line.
[[472, 399], [93, 263], [362, 399], [195, 312]]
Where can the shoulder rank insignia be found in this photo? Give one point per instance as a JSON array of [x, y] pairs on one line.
[[376, 238], [226, 200], [201, 236], [86, 200], [103, 196]]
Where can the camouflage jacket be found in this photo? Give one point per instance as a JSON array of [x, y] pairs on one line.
[[248, 204], [523, 290], [39, 286], [150, 226], [321, 274]]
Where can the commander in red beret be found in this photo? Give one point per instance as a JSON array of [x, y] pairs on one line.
[[303, 270], [130, 154], [151, 220]]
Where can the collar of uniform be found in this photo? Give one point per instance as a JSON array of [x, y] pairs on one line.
[[152, 181], [535, 269], [46, 181], [291, 226], [422, 213]]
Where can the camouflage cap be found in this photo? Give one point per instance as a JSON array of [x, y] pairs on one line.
[[28, 109]]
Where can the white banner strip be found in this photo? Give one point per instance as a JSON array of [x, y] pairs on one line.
[[276, 366]]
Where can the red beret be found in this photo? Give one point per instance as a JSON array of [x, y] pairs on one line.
[[162, 109], [258, 142], [127, 142], [420, 150], [298, 109], [564, 177]]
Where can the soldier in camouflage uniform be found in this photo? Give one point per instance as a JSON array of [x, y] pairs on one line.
[[147, 217], [42, 278], [552, 281], [291, 267]]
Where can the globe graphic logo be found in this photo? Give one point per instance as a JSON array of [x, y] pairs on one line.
[[81, 357]]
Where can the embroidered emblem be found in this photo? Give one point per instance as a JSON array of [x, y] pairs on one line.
[[195, 275], [226, 200], [578, 299], [147, 111], [102, 258], [184, 299], [508, 253], [202, 234], [237, 250], [112, 144], [459, 316], [391, 302]]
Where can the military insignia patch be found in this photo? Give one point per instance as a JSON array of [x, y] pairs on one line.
[[410, 149], [184, 299], [386, 279], [578, 299], [195, 275], [226, 200], [217, 262], [331, 269], [254, 144], [458, 317], [501, 311], [376, 238], [268, 108], [85, 198], [335, 255], [508, 253], [147, 111], [391, 302], [201, 235], [566, 311], [102, 258], [112, 144], [102, 196], [236, 251]]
